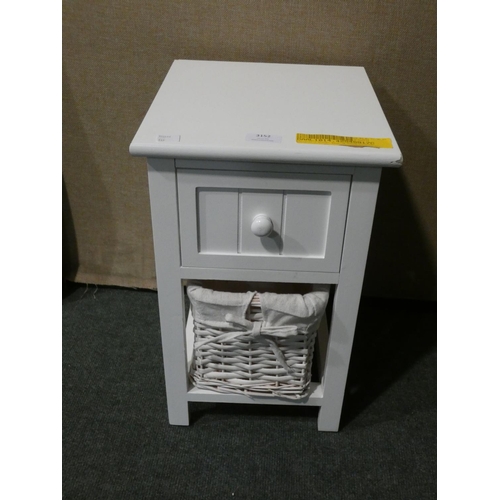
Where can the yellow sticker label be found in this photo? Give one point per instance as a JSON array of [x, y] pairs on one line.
[[339, 140]]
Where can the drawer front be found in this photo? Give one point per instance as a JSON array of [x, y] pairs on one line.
[[306, 214]]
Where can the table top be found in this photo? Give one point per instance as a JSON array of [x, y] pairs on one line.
[[266, 112]]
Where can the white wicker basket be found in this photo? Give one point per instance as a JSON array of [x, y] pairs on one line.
[[254, 344]]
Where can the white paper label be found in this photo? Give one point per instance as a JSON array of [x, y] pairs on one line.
[[168, 138], [263, 138]]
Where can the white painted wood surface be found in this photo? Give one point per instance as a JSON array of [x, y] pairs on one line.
[[252, 166], [346, 302], [307, 231], [322, 342], [210, 107], [163, 198], [217, 231], [314, 397], [214, 273], [308, 213], [209, 175]]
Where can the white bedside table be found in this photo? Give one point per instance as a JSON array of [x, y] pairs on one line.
[[302, 147]]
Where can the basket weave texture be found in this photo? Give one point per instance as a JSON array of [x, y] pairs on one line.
[[258, 344]]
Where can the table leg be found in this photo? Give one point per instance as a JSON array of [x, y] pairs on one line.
[[362, 203], [163, 199]]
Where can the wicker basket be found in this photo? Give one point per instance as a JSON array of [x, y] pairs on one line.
[[254, 344]]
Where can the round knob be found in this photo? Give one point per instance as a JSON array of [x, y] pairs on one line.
[[262, 225]]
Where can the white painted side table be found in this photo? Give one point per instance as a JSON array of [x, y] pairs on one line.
[[263, 173]]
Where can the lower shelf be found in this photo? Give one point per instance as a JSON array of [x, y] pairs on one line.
[[314, 398]]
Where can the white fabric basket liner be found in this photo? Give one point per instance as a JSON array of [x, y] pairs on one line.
[[271, 356]]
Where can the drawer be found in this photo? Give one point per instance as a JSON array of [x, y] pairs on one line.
[[306, 214]]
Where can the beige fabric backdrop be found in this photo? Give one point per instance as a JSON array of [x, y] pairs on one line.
[[115, 56]]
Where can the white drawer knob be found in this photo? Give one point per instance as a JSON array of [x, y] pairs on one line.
[[262, 225]]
